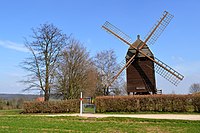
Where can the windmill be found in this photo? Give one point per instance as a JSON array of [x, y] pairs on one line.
[[141, 64]]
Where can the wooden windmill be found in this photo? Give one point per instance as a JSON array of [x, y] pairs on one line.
[[141, 64]]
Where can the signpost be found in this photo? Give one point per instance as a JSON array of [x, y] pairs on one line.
[[81, 104], [87, 106]]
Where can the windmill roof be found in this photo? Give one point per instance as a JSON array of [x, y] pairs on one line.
[[138, 43]]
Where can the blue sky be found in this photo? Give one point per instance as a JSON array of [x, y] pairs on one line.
[[178, 46]]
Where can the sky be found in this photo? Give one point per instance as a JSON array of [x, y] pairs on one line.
[[178, 45]]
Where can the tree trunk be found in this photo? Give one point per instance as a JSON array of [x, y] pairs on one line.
[[46, 95]]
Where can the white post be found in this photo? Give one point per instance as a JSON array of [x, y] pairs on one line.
[[81, 104]]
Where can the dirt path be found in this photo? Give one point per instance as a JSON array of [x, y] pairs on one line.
[[151, 116]]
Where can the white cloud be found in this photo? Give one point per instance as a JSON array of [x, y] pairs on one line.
[[189, 67], [89, 40], [177, 59], [13, 45]]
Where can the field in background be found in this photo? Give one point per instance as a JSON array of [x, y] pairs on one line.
[[12, 121]]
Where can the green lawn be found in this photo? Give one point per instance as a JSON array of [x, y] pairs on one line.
[[11, 112], [26, 123]]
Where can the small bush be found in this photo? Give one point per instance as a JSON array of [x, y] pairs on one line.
[[196, 102], [155, 103], [52, 106]]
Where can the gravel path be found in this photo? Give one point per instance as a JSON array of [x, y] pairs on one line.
[[151, 116]]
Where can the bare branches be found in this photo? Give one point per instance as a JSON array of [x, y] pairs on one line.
[[63, 66], [194, 88], [72, 71], [107, 67], [45, 46]]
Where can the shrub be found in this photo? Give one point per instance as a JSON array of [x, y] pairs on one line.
[[196, 102], [52, 106], [156, 103]]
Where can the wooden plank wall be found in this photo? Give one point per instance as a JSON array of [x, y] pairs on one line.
[[141, 76]]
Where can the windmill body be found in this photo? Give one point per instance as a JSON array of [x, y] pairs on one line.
[[140, 74]]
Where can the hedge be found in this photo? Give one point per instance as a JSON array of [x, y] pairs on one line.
[[64, 106], [135, 103], [155, 103]]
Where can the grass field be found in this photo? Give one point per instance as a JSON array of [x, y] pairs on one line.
[[10, 112], [13, 122]]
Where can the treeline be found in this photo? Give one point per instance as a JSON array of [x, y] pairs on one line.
[[15, 103], [60, 65]]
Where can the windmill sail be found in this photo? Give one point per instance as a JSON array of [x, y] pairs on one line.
[[117, 32], [158, 28], [124, 38], [173, 76]]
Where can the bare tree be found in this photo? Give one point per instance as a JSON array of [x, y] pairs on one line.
[[107, 67], [73, 71], [45, 46], [92, 79], [194, 88]]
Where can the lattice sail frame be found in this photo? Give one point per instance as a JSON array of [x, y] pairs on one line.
[[158, 28], [165, 74], [117, 32], [160, 67]]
